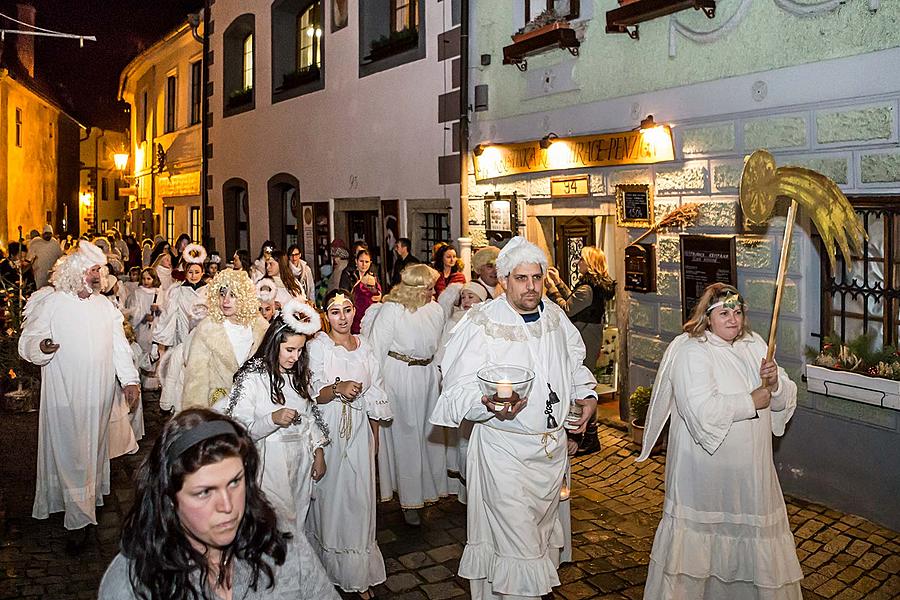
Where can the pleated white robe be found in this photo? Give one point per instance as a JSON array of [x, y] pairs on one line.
[[137, 306], [341, 524], [724, 533], [78, 383], [184, 308], [412, 452], [515, 468]]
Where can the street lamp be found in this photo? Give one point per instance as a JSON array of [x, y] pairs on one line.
[[121, 160]]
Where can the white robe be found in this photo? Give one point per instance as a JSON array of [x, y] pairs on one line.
[[184, 307], [341, 521], [515, 468], [138, 306], [412, 454], [126, 428], [78, 383], [286, 453], [304, 277], [724, 532]]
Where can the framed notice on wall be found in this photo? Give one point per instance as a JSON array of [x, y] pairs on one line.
[[634, 205], [705, 259]]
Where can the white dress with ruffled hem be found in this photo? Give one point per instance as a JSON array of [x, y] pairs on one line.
[[341, 523], [724, 533]]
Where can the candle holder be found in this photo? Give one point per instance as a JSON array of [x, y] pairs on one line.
[[503, 380]]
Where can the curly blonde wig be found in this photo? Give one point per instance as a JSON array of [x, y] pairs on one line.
[[238, 282], [596, 261], [416, 287]]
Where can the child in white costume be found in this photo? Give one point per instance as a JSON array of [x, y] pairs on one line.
[[271, 398], [346, 381], [143, 307]]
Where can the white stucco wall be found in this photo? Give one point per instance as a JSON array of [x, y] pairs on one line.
[[360, 137]]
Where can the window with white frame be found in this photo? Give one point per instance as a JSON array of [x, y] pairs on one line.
[[196, 225], [18, 128], [196, 91], [239, 73], [170, 224], [171, 99], [247, 62], [309, 38]]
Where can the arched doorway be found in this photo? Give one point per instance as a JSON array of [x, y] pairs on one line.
[[284, 206], [236, 215]]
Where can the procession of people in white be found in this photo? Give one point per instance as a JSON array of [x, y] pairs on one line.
[[333, 414]]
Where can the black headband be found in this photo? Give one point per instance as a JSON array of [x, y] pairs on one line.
[[195, 435]]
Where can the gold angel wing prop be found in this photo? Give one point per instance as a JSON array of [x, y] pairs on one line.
[[762, 183]]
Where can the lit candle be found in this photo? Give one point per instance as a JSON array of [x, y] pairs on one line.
[[504, 389]]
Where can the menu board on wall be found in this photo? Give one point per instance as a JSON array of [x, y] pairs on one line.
[[705, 259], [634, 205]]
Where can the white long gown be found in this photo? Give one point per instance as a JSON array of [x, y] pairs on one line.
[[412, 453], [514, 468], [286, 453], [184, 307], [138, 306], [78, 383], [341, 524], [724, 533]]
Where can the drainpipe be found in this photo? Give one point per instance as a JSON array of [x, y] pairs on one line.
[[204, 127], [465, 243], [97, 180]]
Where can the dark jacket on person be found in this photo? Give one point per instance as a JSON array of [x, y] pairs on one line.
[[400, 264], [350, 276], [586, 302]]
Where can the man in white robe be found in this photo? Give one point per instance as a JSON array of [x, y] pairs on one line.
[[43, 252], [517, 458], [76, 337]]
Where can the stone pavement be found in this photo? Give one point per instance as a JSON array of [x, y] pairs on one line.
[[616, 505]]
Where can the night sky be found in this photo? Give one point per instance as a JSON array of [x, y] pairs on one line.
[[88, 77]]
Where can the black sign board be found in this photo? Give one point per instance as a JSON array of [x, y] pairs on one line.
[[705, 259], [640, 268], [634, 206]]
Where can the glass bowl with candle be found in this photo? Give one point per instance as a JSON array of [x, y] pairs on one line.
[[504, 380]]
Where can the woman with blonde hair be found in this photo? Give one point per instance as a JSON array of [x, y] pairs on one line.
[[405, 332], [724, 531], [221, 342]]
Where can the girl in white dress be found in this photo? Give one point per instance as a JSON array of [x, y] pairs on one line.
[[184, 307], [271, 398], [346, 381], [143, 308], [724, 532]]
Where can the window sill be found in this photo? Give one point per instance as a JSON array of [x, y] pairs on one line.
[[393, 53], [548, 37], [857, 387], [299, 84], [239, 104]]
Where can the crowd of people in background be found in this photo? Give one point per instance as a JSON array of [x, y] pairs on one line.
[[327, 396]]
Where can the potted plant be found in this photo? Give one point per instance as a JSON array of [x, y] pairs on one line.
[[300, 77], [396, 42], [638, 403], [240, 97], [548, 20]]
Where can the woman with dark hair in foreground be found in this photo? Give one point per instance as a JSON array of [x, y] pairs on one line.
[[200, 527]]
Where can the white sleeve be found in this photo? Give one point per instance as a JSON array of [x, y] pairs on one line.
[[461, 396], [382, 335], [253, 408], [164, 326], [35, 329], [123, 357], [584, 384], [707, 411], [316, 350], [378, 406]]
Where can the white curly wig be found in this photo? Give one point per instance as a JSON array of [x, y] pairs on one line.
[[519, 251], [68, 271], [238, 282]]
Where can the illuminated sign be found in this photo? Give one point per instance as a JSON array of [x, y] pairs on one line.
[[562, 187], [611, 149]]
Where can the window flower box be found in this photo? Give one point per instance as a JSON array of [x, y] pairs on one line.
[[395, 43], [239, 98], [853, 386], [297, 78], [521, 37]]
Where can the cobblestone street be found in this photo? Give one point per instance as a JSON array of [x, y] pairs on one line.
[[615, 508]]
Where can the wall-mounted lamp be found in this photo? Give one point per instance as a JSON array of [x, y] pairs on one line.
[[547, 140], [121, 160], [648, 123], [478, 150]]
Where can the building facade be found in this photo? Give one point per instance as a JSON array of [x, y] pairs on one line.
[[163, 85], [38, 146], [332, 119], [796, 79], [103, 206]]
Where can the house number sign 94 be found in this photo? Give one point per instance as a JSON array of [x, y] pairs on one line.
[[563, 187]]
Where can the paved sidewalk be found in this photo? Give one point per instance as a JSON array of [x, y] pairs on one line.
[[616, 506]]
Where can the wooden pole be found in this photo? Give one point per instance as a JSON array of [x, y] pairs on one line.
[[782, 273]]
